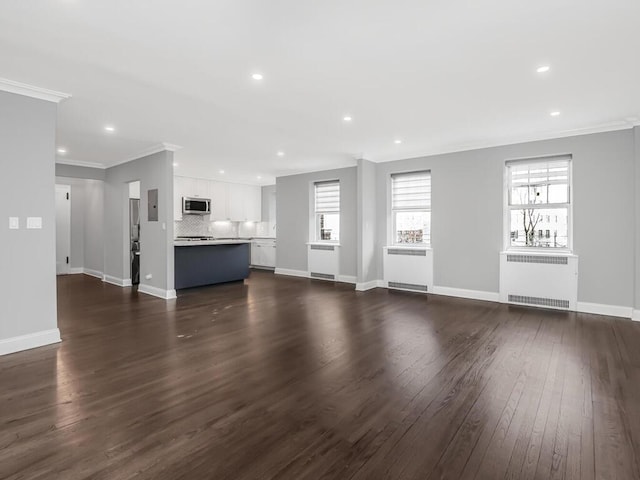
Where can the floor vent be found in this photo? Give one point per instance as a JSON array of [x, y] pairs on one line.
[[322, 247], [547, 259], [539, 301], [404, 251], [408, 286], [324, 276]]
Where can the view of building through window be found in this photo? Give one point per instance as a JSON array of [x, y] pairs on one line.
[[539, 203], [329, 226]]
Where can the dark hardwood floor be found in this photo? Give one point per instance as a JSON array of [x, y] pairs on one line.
[[288, 378]]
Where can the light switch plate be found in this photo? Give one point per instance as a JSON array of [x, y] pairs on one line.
[[34, 222], [14, 223]]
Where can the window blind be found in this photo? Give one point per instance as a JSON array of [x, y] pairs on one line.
[[411, 191], [540, 172], [539, 181], [327, 197]]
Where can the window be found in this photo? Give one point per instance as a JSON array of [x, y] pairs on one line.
[[539, 203], [327, 199], [411, 207]]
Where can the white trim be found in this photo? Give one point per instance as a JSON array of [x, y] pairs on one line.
[[602, 309], [364, 286], [29, 341], [157, 292], [75, 270], [79, 163], [291, 273], [157, 148], [635, 315], [120, 282], [347, 279], [601, 128], [464, 293], [93, 273], [32, 91], [326, 242]]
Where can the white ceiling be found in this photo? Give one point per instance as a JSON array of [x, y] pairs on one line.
[[442, 75]]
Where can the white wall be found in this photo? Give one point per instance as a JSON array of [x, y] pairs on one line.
[[87, 217], [467, 213], [292, 205], [156, 238], [28, 316]]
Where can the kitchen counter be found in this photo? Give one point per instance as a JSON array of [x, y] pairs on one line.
[[195, 243]]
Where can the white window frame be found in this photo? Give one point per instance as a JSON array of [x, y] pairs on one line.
[[392, 211], [314, 223], [508, 207]]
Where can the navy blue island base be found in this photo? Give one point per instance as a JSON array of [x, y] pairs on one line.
[[198, 265]]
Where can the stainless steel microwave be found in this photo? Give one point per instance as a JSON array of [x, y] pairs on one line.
[[196, 206]]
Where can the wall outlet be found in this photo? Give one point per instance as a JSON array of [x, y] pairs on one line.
[[14, 223], [34, 222], [148, 276]]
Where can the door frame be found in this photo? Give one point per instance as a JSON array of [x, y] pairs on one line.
[[64, 267]]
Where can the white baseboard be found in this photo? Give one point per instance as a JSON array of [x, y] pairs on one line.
[[364, 286], [32, 340], [347, 279], [120, 282], [93, 273], [601, 309], [635, 315], [75, 270], [157, 292], [464, 293], [291, 273]]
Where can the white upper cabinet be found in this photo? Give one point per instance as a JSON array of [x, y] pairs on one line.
[[229, 201], [219, 201]]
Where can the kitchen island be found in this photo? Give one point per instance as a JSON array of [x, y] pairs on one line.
[[207, 262]]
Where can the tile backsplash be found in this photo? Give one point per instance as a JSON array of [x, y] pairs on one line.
[[200, 225]]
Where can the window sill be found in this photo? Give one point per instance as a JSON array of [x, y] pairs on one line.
[[335, 244], [410, 247], [539, 252]]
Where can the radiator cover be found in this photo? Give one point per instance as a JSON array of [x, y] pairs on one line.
[[539, 279], [408, 268]]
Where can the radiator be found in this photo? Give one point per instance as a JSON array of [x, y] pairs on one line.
[[408, 268], [539, 279], [323, 261]]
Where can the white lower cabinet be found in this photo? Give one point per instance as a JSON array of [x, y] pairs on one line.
[[263, 253]]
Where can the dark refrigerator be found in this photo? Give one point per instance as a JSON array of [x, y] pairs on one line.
[[134, 229]]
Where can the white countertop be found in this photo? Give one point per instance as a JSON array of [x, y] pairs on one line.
[[197, 243]]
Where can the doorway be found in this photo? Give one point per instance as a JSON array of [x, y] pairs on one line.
[[134, 231], [63, 229]]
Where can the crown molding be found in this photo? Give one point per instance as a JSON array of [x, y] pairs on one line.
[[79, 163], [32, 91], [157, 148], [601, 128]]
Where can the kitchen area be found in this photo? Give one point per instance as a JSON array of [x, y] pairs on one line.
[[222, 230]]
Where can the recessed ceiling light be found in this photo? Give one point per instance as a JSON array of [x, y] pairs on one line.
[[175, 164], [347, 118], [257, 76], [397, 141], [281, 153], [221, 171], [259, 177], [110, 128], [62, 150], [555, 114], [543, 69]]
